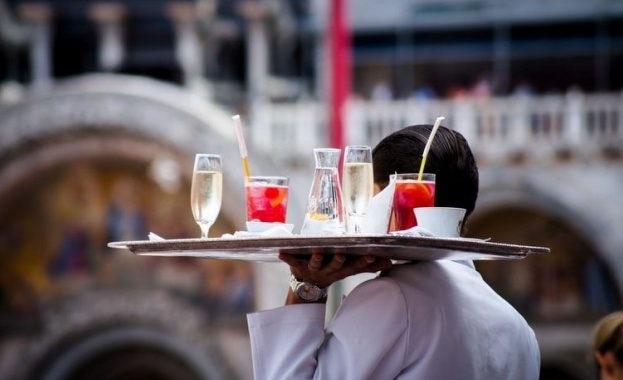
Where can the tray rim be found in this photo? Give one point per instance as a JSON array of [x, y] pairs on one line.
[[270, 246]]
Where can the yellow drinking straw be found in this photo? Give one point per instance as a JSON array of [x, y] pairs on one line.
[[428, 144], [242, 146]]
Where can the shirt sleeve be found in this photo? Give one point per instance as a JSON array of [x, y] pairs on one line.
[[365, 340], [284, 341]]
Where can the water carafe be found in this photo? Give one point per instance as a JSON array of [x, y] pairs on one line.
[[325, 210]]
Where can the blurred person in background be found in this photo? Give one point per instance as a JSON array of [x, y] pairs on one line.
[[608, 346]]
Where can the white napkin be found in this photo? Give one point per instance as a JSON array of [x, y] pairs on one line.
[[153, 237], [376, 220], [423, 232], [277, 231], [414, 231]]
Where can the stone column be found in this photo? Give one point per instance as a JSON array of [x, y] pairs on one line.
[[189, 48], [256, 14], [209, 29], [322, 71], [501, 59], [109, 19], [38, 16]]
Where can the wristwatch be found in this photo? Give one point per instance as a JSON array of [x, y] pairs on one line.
[[307, 291]]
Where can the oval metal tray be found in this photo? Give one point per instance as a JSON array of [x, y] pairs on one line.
[[266, 249]]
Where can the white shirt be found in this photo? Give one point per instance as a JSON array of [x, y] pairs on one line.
[[429, 320]]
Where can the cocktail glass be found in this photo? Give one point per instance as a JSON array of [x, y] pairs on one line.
[[411, 192], [267, 199]]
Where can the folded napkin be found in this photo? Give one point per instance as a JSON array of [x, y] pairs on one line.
[[414, 231], [376, 220], [423, 232], [153, 237], [276, 231]]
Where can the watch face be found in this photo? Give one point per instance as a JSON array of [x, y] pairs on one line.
[[308, 292]]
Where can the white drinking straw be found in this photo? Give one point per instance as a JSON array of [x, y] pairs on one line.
[[428, 144], [242, 145]]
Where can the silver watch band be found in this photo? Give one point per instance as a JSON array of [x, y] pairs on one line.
[[307, 291]]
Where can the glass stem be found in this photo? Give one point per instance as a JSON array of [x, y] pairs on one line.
[[205, 229], [354, 223], [357, 228]]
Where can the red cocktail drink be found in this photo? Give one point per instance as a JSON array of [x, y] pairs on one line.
[[410, 193], [267, 199]]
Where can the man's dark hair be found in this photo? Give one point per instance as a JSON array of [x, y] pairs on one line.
[[449, 158]]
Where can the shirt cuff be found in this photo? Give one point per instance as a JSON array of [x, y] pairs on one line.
[[299, 313]]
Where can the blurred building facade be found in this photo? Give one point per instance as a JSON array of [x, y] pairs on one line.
[[535, 86]]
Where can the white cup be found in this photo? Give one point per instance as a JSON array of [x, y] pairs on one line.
[[440, 221]]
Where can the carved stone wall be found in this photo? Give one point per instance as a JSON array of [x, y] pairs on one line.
[[110, 116]]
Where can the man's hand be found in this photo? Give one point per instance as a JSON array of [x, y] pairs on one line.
[[324, 269]]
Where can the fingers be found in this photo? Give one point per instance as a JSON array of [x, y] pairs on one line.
[[368, 264], [294, 260], [335, 265], [379, 265], [363, 261], [315, 262], [326, 269]]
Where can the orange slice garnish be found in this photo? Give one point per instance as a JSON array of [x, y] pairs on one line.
[[411, 192], [275, 195], [417, 188], [316, 216]]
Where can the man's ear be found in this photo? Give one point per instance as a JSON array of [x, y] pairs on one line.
[[607, 362]]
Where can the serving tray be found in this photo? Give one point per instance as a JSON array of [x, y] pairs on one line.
[[267, 249]]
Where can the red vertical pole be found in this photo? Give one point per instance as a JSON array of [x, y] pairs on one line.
[[340, 55]]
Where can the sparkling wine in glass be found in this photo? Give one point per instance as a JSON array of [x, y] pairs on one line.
[[357, 185], [206, 191]]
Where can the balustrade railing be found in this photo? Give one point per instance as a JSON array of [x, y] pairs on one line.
[[498, 129]]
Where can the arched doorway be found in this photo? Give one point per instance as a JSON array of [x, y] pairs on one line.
[[560, 294], [570, 284], [102, 159]]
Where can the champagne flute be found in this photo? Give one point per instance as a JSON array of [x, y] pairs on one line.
[[357, 185], [206, 191]]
